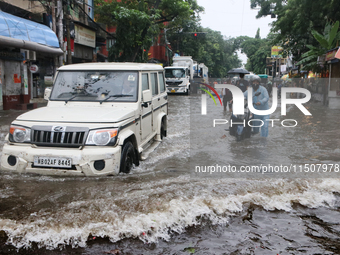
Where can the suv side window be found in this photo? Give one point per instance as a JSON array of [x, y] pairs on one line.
[[145, 81], [154, 84], [161, 82]]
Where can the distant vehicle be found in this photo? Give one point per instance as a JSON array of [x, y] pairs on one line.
[[178, 77], [264, 78], [101, 119], [201, 71]]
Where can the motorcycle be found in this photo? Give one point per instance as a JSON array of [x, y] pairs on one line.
[[241, 129]]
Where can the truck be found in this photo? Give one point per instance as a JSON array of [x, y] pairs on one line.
[[202, 72], [178, 77]]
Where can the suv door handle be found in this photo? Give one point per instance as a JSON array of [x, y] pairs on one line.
[[159, 99]]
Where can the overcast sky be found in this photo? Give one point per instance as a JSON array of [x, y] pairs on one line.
[[233, 18]]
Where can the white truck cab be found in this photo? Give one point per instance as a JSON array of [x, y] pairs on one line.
[[179, 76], [101, 118]]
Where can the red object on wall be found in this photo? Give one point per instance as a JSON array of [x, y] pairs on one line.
[[72, 44], [17, 78]]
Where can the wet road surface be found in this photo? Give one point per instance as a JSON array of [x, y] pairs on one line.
[[163, 208]]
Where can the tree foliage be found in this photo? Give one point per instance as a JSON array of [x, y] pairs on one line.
[[138, 23], [327, 41], [296, 19], [256, 49], [209, 47]]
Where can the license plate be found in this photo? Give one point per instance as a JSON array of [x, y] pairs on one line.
[[173, 91], [53, 162]]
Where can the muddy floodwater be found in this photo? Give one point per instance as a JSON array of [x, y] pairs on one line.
[[164, 207]]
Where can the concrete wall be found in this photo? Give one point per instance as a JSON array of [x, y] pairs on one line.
[[28, 5], [333, 100]]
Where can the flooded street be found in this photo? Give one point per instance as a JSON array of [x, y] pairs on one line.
[[164, 207]]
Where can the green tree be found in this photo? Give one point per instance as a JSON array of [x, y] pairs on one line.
[[257, 36], [138, 23], [327, 41], [210, 47], [295, 21], [257, 51]]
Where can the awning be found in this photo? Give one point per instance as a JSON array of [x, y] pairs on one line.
[[26, 34]]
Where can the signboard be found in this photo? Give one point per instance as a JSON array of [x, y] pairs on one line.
[[85, 36], [331, 55], [337, 55], [48, 80], [9, 55], [34, 68], [276, 50]]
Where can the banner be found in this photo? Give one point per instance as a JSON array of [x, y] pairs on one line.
[[276, 50]]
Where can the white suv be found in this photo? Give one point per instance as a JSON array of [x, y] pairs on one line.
[[101, 118]]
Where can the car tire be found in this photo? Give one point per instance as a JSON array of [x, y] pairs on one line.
[[127, 158]]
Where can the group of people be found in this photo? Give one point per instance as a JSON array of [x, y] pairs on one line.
[[260, 101]]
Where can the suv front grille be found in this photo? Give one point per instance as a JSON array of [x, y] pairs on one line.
[[59, 136]]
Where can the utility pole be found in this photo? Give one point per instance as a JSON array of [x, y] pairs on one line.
[[69, 52], [54, 28], [85, 17], [60, 15]]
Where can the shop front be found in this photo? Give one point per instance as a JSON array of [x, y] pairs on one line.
[[332, 59], [84, 44], [27, 53]]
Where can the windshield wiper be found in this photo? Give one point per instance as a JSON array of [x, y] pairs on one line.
[[82, 95], [70, 98], [118, 95]]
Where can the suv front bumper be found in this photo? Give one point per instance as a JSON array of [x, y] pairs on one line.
[[83, 160]]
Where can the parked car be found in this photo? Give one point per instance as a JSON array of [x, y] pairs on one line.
[[101, 119]]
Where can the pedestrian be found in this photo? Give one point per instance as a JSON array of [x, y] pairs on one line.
[[243, 84], [260, 103], [227, 100]]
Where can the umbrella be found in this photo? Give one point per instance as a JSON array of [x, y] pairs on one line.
[[238, 71]]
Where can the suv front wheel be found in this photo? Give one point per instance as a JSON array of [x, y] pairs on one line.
[[128, 158]]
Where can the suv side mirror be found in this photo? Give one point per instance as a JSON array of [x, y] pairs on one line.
[[47, 93], [147, 96]]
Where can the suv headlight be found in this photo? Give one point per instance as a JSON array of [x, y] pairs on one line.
[[19, 134], [102, 137]]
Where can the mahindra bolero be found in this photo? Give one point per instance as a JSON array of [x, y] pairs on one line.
[[100, 119]]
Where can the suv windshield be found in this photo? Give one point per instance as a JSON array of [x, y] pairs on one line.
[[175, 73], [98, 86]]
